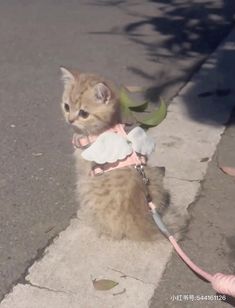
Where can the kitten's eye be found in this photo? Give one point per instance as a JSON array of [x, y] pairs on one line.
[[66, 107], [84, 114]]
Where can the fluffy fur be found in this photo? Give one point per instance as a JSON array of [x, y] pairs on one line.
[[114, 203]]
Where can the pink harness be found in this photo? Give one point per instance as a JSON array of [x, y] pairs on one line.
[[132, 159]]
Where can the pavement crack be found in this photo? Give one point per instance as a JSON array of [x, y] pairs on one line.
[[182, 179], [129, 276], [44, 288]]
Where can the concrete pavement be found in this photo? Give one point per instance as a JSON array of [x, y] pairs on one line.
[[186, 143]]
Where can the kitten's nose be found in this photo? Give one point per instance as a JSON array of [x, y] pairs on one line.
[[71, 119]]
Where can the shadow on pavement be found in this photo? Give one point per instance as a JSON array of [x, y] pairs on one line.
[[189, 32]]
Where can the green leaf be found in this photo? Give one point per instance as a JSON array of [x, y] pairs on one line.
[[104, 284], [140, 107], [125, 103], [125, 99], [128, 105], [156, 117], [126, 111]]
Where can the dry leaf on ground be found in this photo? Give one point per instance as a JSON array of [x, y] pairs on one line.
[[104, 284]]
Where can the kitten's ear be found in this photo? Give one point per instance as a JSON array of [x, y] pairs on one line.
[[67, 77], [102, 93]]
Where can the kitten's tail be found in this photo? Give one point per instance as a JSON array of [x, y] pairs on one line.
[[175, 221]]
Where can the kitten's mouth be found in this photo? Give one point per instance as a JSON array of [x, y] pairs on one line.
[[78, 130]]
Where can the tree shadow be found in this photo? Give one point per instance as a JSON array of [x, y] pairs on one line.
[[177, 37]]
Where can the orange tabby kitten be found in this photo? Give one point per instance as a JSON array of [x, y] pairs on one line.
[[115, 202]]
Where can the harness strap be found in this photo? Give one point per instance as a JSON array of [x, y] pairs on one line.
[[132, 159]]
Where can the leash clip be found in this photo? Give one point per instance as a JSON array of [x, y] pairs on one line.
[[140, 169]]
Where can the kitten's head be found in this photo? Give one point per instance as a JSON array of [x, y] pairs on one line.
[[89, 103]]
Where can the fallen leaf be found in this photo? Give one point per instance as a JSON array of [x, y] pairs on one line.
[[228, 170], [104, 284]]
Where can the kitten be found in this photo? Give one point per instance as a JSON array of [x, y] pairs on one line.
[[115, 202]]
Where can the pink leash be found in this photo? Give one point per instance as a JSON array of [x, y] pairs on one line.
[[224, 284]]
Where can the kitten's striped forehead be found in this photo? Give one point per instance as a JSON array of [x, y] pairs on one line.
[[81, 86]]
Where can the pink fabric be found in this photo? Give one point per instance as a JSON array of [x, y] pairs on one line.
[[128, 161], [132, 159], [83, 141]]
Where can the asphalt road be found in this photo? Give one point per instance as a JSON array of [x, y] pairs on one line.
[[147, 43]]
